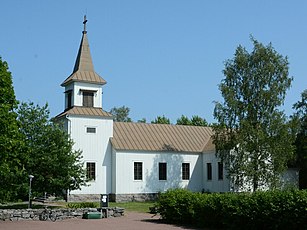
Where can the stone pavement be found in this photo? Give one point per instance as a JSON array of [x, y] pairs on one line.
[[131, 220]]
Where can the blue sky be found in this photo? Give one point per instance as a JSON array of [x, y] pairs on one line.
[[159, 57]]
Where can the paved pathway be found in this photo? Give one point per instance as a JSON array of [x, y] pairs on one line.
[[131, 220]]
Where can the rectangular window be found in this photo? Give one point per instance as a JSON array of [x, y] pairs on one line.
[[88, 99], [220, 170], [162, 171], [209, 171], [69, 97], [90, 170], [90, 130], [185, 171], [138, 170]]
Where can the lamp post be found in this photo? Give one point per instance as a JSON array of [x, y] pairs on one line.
[[69, 189], [30, 178]]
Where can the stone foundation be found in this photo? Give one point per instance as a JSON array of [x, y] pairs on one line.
[[62, 213], [113, 197], [83, 198], [133, 197]]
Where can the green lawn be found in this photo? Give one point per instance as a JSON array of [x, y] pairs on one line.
[[128, 206], [133, 206], [25, 206]]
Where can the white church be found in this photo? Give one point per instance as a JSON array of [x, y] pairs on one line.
[[133, 161]]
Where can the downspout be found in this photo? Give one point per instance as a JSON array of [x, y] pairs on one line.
[[69, 133], [68, 124]]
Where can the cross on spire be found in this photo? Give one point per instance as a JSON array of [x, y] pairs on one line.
[[84, 23]]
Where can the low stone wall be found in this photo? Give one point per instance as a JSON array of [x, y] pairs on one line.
[[62, 214]]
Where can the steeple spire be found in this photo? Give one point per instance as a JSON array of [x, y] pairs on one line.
[[84, 69], [84, 25]]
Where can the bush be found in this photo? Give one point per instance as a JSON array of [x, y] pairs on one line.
[[177, 205], [259, 210], [83, 205]]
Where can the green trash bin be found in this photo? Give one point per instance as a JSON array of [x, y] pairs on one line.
[[92, 215]]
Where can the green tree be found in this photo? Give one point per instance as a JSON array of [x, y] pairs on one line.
[[183, 120], [50, 157], [143, 120], [161, 120], [121, 114], [11, 170], [250, 125], [195, 121], [198, 121], [301, 138]]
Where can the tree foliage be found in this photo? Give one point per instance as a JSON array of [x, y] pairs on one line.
[[195, 121], [161, 120], [48, 151], [250, 123], [301, 138], [121, 114], [143, 120], [11, 170], [198, 121], [183, 120]]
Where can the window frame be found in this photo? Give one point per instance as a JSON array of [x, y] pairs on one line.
[[137, 170], [185, 171], [220, 170], [87, 98], [162, 171], [69, 99], [91, 171], [90, 128], [209, 171]]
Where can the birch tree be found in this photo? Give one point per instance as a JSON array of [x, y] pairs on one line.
[[250, 122]]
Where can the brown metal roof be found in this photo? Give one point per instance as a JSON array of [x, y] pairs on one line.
[[84, 76], [88, 111], [161, 137], [84, 68]]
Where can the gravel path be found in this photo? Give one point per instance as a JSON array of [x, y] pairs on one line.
[[131, 220]]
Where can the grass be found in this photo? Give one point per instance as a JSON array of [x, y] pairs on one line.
[[128, 206], [142, 207], [25, 206], [134, 206]]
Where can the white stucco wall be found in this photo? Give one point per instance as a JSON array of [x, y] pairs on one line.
[[214, 185], [77, 88], [290, 178], [123, 168], [95, 148]]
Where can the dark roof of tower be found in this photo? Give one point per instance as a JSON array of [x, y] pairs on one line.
[[84, 69]]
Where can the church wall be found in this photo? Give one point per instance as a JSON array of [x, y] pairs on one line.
[[150, 183], [77, 93], [95, 149], [214, 184]]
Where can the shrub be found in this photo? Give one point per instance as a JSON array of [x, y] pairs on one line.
[[177, 205], [83, 205], [259, 210]]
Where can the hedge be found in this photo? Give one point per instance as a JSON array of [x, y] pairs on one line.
[[259, 210]]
